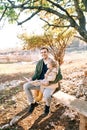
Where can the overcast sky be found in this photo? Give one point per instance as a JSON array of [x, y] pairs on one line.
[[8, 35]]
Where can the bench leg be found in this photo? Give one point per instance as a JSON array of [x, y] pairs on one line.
[[83, 123]]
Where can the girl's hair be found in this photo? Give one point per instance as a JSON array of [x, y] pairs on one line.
[[52, 62]]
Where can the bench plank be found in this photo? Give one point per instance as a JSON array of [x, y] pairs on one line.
[[72, 102]]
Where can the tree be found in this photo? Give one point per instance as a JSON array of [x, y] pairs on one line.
[[57, 43], [72, 12]]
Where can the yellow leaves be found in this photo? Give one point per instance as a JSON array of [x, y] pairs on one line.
[[71, 10], [57, 40], [62, 38], [34, 41], [39, 3], [43, 2]]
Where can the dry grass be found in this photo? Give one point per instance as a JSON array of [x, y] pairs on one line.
[[16, 68], [8, 109], [14, 71]]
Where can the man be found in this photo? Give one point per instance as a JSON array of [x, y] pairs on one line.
[[41, 69]]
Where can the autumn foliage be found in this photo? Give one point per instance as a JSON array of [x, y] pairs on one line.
[[57, 43]]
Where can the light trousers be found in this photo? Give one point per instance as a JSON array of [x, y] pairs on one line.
[[47, 93]]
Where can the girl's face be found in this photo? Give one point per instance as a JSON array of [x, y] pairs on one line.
[[49, 65]]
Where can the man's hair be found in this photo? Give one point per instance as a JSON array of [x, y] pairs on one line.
[[42, 48]]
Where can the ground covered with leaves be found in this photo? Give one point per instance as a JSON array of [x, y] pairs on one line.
[[13, 100]]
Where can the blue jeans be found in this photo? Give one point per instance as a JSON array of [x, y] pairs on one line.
[[47, 92]]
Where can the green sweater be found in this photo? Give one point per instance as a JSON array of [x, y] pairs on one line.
[[38, 71]]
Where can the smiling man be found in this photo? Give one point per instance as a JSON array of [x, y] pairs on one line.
[[41, 69]]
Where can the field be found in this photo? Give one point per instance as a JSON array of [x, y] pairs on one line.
[[15, 70], [13, 99]]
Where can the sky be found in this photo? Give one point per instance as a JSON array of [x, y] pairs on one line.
[[8, 34]]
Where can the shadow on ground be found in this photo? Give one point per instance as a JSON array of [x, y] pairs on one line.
[[52, 121]]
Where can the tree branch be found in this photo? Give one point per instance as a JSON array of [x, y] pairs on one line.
[[12, 3], [3, 13], [81, 17], [85, 4], [58, 6], [50, 10], [19, 23], [54, 25], [72, 21]]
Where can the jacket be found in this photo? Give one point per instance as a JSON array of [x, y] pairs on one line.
[[38, 71]]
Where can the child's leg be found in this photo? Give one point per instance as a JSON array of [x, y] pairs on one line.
[[36, 92], [39, 96]]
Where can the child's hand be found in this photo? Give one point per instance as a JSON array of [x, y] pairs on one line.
[[44, 83]]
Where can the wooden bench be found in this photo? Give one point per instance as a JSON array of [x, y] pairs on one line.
[[75, 104]]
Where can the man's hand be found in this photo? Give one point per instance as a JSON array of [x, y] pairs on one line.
[[30, 79], [44, 82]]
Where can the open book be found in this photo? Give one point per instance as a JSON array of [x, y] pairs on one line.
[[26, 78]]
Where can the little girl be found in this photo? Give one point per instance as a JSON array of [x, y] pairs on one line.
[[49, 76]]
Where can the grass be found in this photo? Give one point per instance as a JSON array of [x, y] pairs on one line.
[[9, 72], [15, 71], [16, 68]]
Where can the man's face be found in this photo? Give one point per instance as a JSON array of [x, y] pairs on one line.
[[44, 53]]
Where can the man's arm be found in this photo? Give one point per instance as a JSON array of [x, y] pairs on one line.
[[38, 70]]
